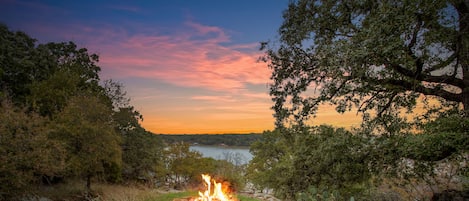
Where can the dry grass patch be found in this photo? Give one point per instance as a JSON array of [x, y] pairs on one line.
[[125, 192], [101, 191]]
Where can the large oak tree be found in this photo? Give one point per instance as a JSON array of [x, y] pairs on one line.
[[375, 56]]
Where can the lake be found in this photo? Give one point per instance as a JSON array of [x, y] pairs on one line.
[[236, 155]]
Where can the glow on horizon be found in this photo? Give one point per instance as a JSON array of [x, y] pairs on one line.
[[230, 124]]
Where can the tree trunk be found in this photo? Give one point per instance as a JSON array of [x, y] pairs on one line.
[[88, 183], [463, 12]]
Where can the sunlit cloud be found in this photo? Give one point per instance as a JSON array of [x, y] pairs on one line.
[[192, 56], [185, 60], [214, 98]]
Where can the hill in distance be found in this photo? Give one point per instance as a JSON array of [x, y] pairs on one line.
[[212, 139]]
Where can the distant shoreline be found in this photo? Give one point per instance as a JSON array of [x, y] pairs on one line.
[[221, 146], [228, 140]]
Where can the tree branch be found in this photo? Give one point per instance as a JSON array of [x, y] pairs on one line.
[[388, 104], [413, 41], [424, 90], [365, 103], [444, 79], [443, 63]]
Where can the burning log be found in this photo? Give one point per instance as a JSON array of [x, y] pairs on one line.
[[216, 192]]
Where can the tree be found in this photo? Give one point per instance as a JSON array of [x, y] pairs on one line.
[[48, 97], [27, 153], [16, 50], [60, 122], [376, 56], [142, 151], [320, 157], [43, 76], [268, 153], [185, 165], [142, 155], [93, 145]]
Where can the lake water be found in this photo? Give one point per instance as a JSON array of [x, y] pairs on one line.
[[236, 155]]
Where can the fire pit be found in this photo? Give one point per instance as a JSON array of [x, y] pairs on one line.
[[217, 192]]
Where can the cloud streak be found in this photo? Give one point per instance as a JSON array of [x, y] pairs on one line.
[[193, 57]]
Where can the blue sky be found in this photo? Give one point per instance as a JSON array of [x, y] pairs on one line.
[[245, 21]]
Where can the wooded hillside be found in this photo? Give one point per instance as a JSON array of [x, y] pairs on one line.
[[213, 139]]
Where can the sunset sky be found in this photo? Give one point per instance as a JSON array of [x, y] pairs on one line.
[[188, 66]]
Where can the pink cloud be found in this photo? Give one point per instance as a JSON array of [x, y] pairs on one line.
[[203, 30], [214, 98], [193, 57]]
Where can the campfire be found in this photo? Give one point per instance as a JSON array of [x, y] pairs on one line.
[[214, 191], [217, 192]]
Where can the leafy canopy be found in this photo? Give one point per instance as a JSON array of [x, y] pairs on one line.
[[376, 56]]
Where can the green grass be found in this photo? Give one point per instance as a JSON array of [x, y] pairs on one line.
[[171, 196], [245, 198]]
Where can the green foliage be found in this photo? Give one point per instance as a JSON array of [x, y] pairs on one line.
[[377, 57], [26, 151], [380, 58], [440, 139], [172, 196], [58, 123], [447, 135], [86, 126], [16, 63], [142, 156], [435, 158], [245, 198], [267, 156], [230, 169], [125, 116], [183, 165], [320, 156], [34, 74], [70, 125], [142, 152], [50, 96]]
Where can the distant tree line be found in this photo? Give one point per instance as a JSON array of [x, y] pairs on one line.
[[213, 139]]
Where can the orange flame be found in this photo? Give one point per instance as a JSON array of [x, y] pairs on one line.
[[216, 195]]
